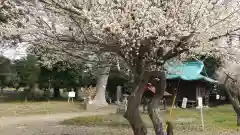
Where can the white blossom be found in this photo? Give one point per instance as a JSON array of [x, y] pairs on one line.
[[125, 25]]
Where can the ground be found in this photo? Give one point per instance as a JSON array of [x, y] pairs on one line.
[[32, 108], [62, 118], [220, 120], [42, 123]]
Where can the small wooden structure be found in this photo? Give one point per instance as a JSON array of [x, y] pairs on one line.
[[189, 82]]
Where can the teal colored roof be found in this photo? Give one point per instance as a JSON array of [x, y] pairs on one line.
[[188, 71]]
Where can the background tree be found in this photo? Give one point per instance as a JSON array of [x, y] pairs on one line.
[[28, 71], [5, 72], [65, 76], [117, 77]]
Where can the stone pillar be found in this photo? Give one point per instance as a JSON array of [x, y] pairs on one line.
[[79, 93], [88, 103], [119, 94], [89, 100], [125, 102], [122, 107]]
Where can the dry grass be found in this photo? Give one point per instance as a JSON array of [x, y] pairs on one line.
[[217, 120], [31, 108]]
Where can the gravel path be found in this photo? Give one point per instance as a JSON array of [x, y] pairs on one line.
[[49, 125], [42, 124]]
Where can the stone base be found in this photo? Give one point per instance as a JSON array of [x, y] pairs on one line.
[[99, 103], [121, 109], [92, 107], [205, 107]]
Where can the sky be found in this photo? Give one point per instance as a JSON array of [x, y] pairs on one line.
[[14, 53]]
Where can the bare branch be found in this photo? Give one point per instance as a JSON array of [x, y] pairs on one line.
[[225, 35], [225, 18], [172, 54], [179, 48], [2, 3], [61, 6]]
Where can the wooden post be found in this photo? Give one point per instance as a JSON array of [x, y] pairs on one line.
[[165, 103], [201, 110]]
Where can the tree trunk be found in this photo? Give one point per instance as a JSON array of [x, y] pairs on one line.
[[238, 119], [235, 105], [56, 93], [26, 90], [1, 94], [1, 91], [234, 102], [17, 89], [153, 108], [31, 91], [76, 93], [132, 114], [100, 98]]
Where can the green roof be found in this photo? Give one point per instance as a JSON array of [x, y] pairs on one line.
[[188, 71]]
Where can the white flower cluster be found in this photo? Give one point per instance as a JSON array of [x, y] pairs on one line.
[[132, 21], [154, 24]]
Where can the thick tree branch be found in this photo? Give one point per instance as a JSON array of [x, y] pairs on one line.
[[225, 35], [172, 54], [107, 47], [179, 47], [70, 10], [2, 3], [130, 66]]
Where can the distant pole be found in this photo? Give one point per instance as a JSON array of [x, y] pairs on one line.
[[201, 110], [49, 83], [202, 117]]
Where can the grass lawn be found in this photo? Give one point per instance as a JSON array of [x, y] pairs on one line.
[[218, 119], [31, 108]]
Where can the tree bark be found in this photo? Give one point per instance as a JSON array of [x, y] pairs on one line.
[[238, 119], [235, 105], [133, 114], [153, 108], [32, 90], [76, 93], [56, 93], [1, 91], [234, 101], [100, 98]]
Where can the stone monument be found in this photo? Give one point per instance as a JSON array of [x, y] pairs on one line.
[[184, 102], [89, 93], [119, 94], [122, 107]]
